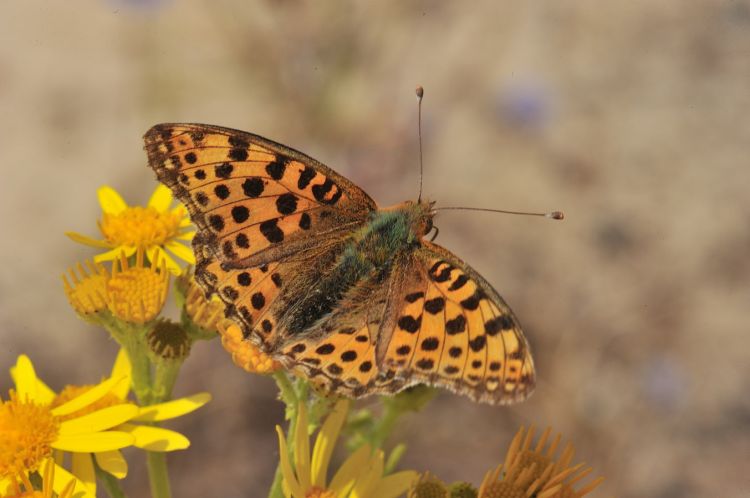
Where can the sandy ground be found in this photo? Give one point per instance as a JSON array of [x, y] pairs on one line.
[[629, 116]]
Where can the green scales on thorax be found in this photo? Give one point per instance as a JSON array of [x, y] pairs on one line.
[[367, 256]]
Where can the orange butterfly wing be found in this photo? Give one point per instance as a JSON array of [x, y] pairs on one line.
[[454, 330], [255, 202]]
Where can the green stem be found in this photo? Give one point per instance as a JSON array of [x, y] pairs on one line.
[[130, 337], [110, 482], [276, 490], [385, 425], [164, 380], [287, 392], [157, 474], [141, 373], [290, 398]]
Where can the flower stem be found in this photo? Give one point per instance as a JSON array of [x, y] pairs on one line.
[[288, 395], [276, 491], [157, 474], [164, 380], [141, 373], [384, 426]]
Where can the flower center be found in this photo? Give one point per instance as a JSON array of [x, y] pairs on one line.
[[503, 489], [139, 226], [27, 431], [70, 392], [137, 294], [317, 492]]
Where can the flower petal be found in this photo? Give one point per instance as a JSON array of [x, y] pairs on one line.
[[83, 469], [114, 254], [110, 201], [62, 479], [290, 479], [396, 484], [369, 476], [325, 442], [99, 420], [186, 236], [347, 474], [122, 368], [5, 486], [181, 251], [156, 253], [27, 383], [88, 241], [302, 448], [90, 396], [172, 409], [91, 443], [155, 438], [112, 462], [161, 199]]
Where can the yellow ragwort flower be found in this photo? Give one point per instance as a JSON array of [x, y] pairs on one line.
[[22, 488], [155, 228], [110, 396], [137, 293], [32, 430], [528, 472], [244, 353], [133, 292], [360, 476]]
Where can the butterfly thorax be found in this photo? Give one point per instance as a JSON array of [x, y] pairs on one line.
[[363, 261]]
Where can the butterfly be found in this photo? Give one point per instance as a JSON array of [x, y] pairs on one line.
[[345, 293]]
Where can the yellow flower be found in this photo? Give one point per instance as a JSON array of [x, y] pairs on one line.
[[360, 476], [244, 353], [132, 292], [112, 399], [136, 293], [31, 429], [48, 479], [528, 472], [156, 229]]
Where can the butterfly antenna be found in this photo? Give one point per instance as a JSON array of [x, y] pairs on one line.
[[420, 94], [555, 215]]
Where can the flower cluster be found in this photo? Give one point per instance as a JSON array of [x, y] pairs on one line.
[[91, 423]]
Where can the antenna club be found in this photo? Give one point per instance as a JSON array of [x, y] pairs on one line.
[[556, 215], [420, 92]]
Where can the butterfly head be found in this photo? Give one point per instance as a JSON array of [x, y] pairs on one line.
[[427, 214], [420, 214]]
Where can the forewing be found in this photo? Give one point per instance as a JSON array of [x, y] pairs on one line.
[[256, 203], [453, 330], [249, 195]]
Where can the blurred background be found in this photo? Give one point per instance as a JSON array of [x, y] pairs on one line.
[[632, 117]]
